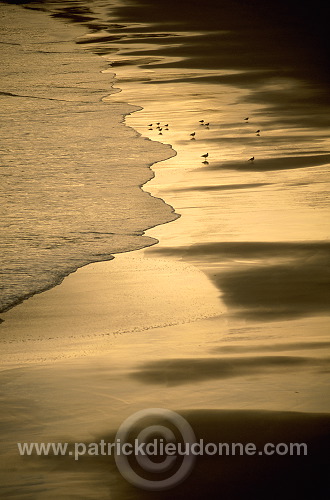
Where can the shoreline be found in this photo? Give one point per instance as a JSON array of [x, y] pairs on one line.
[[220, 319], [83, 307], [25, 324], [65, 37]]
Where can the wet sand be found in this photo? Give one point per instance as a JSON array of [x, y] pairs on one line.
[[259, 477], [151, 329], [69, 195], [226, 317]]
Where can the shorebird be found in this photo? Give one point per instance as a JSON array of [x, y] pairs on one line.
[[150, 125], [251, 159], [257, 131], [160, 131], [166, 125], [206, 124], [193, 134], [205, 156], [246, 119], [201, 122]]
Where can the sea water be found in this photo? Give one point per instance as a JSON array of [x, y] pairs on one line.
[[71, 170], [258, 228]]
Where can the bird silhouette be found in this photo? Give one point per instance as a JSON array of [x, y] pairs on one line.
[[201, 122], [193, 134], [205, 156], [251, 159], [246, 119]]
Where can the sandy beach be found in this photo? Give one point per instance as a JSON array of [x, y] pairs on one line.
[[220, 310]]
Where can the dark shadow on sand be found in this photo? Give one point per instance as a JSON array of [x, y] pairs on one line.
[[290, 346], [267, 164], [286, 280], [263, 42], [278, 44], [172, 372], [277, 291], [228, 476], [225, 251], [224, 187]]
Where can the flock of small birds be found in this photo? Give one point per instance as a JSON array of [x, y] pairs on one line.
[[158, 127], [193, 134]]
